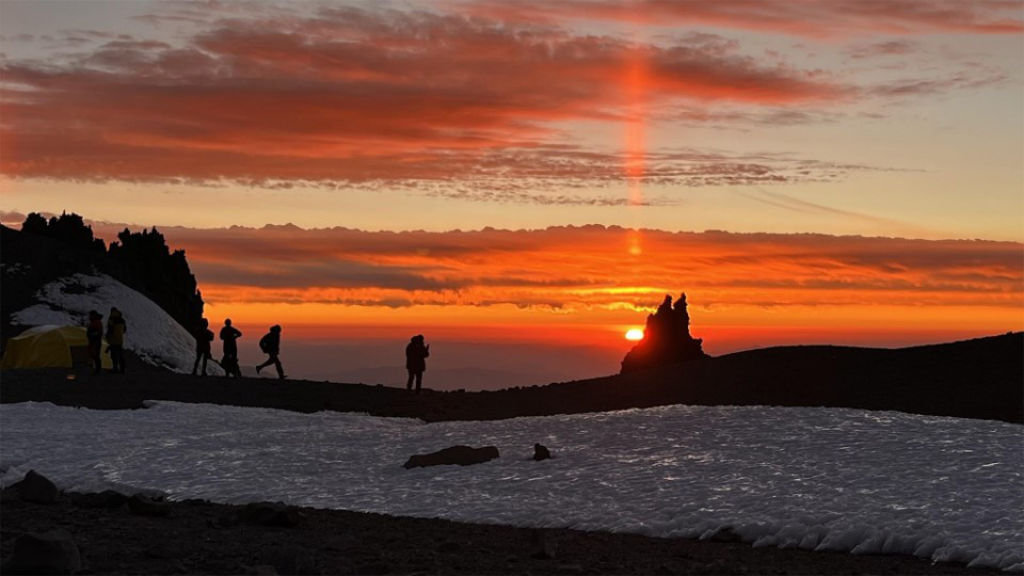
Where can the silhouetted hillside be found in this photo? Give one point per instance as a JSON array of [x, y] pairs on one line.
[[47, 250], [982, 378]]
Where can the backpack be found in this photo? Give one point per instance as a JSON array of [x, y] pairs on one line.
[[264, 345]]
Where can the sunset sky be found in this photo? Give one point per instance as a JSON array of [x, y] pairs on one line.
[[541, 173]]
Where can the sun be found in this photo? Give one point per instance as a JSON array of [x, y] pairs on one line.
[[634, 334]]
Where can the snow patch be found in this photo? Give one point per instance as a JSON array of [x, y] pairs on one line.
[[814, 478], [152, 334]]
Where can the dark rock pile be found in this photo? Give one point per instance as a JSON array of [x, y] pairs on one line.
[[45, 250], [37, 488]]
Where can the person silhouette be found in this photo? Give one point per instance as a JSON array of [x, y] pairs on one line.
[[416, 354], [203, 338], [229, 334], [116, 327], [270, 344], [94, 334]]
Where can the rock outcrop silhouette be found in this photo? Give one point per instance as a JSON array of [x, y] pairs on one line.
[[45, 250], [666, 340]]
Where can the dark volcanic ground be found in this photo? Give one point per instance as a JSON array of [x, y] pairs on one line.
[[974, 379], [197, 537]]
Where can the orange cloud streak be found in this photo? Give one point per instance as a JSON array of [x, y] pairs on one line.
[[583, 279]]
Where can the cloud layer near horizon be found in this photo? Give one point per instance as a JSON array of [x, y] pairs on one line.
[[479, 104], [593, 267], [833, 18]]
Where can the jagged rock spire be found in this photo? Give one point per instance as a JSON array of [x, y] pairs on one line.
[[667, 338]]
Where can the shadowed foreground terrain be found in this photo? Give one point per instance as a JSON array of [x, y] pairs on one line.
[[976, 379], [982, 378], [199, 537]]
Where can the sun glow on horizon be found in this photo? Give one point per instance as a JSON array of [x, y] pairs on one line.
[[634, 334]]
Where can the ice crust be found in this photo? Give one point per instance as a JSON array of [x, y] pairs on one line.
[[824, 479], [152, 334]]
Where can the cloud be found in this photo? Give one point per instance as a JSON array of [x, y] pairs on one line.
[[834, 18], [360, 97], [479, 103], [12, 218], [336, 273], [592, 267], [913, 87], [787, 202], [888, 48]]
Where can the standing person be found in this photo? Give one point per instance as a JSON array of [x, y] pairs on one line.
[[270, 344], [203, 338], [229, 334], [416, 361], [116, 327], [94, 333]]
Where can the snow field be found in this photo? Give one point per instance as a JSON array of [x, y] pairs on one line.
[[152, 334], [825, 479]]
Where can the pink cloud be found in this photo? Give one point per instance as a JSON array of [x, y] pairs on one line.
[[453, 105], [810, 19], [358, 96]]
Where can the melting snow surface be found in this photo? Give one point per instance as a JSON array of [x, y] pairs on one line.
[[152, 334], [826, 479]]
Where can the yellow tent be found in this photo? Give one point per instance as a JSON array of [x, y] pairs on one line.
[[49, 347]]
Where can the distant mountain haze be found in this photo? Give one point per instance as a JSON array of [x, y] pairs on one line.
[[452, 364]]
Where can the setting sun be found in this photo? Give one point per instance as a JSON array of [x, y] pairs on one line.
[[634, 334]]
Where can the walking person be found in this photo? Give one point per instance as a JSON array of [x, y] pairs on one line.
[[203, 338], [116, 327], [416, 361], [229, 334], [270, 344], [94, 334]]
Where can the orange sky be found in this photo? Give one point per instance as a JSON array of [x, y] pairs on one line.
[[590, 284], [539, 171]]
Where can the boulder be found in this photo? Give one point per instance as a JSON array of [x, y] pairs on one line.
[[37, 488], [540, 452], [461, 455], [52, 552], [723, 534], [107, 499], [269, 514], [142, 505]]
